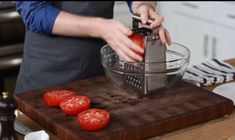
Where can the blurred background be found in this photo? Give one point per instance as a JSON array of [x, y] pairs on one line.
[[206, 28], [12, 32]]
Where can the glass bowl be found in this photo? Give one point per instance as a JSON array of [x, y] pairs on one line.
[[167, 72]]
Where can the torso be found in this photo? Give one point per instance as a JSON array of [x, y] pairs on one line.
[[54, 60]]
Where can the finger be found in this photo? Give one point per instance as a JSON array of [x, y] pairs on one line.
[[124, 29], [162, 34], [133, 55], [124, 56], [144, 14], [129, 54], [155, 31], [157, 22], [132, 51], [158, 19], [129, 43], [136, 47], [125, 44], [129, 47], [168, 37], [152, 14]]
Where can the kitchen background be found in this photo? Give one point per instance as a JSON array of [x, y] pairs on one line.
[[206, 28], [12, 32]]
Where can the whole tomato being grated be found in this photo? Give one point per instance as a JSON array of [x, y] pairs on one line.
[[139, 40]]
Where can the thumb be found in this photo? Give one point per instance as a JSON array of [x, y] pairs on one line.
[[144, 14]]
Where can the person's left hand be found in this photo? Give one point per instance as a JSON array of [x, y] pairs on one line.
[[146, 11]]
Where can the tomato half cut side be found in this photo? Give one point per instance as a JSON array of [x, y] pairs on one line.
[[93, 119], [139, 40], [75, 105], [55, 97]]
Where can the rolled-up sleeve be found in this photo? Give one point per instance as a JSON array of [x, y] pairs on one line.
[[38, 16]]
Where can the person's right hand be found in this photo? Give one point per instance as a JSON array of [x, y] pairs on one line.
[[116, 35]]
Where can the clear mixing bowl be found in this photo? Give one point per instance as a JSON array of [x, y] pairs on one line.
[[171, 70]]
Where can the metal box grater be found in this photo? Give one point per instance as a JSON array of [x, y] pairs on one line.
[[147, 76]]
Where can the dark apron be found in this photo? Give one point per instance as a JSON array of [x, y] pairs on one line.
[[55, 60]]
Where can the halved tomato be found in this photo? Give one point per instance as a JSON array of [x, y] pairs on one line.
[[93, 119], [55, 97], [75, 105], [139, 40]]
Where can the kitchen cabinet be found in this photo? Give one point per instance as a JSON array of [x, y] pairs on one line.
[[224, 43], [224, 14], [224, 31], [199, 44], [206, 28]]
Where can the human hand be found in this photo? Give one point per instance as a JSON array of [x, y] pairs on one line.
[[146, 11], [117, 36]]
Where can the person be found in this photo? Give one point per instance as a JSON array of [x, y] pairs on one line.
[[63, 39]]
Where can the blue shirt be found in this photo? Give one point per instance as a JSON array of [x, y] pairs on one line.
[[39, 16]]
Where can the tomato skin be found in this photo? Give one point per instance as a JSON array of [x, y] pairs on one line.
[[139, 40], [74, 105], [55, 97], [93, 119]]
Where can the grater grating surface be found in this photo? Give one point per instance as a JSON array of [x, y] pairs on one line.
[[138, 75], [134, 76]]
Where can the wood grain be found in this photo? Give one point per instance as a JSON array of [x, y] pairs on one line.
[[132, 116]]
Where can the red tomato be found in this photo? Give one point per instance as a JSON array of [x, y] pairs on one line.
[[93, 119], [55, 97], [75, 105], [139, 40]]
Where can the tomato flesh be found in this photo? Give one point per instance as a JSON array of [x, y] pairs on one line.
[[93, 119], [139, 40], [55, 97], [75, 105]]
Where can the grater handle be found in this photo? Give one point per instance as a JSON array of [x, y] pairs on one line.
[[136, 19]]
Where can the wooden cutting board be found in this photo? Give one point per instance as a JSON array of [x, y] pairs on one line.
[[133, 117]]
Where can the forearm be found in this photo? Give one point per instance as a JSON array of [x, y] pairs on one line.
[[67, 24], [42, 17]]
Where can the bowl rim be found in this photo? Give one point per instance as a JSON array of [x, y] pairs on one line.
[[185, 56]]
